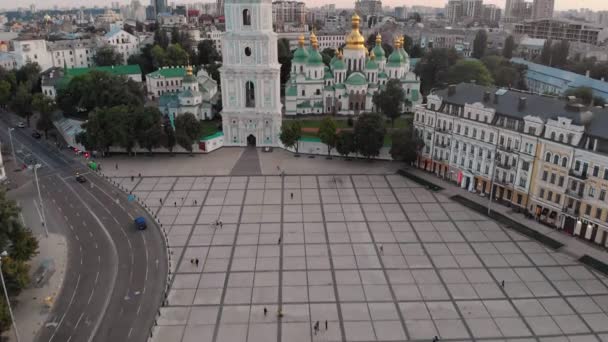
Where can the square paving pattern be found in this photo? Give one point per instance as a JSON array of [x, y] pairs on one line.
[[370, 258]]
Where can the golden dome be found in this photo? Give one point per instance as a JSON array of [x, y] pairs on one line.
[[402, 41], [378, 39], [372, 55], [397, 42], [339, 54], [301, 40], [354, 40], [189, 70], [313, 40]]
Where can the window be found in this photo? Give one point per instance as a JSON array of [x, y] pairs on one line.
[[606, 174], [491, 137], [474, 133], [303, 92], [483, 135], [602, 195], [564, 162], [561, 181], [541, 193], [246, 17], [553, 176], [561, 137], [596, 171], [548, 157], [522, 182], [248, 51], [552, 135], [598, 213], [250, 94], [545, 175], [577, 165], [525, 166], [591, 191], [556, 159], [558, 198], [549, 195], [532, 130], [588, 210], [466, 131]]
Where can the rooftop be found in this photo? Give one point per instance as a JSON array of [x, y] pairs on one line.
[[167, 73], [132, 69]]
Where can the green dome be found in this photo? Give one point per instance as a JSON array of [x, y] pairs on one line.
[[371, 64], [333, 59], [300, 55], [404, 54], [356, 79], [315, 58], [396, 57], [339, 65], [379, 51]]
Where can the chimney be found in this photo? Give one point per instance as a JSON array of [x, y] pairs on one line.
[[522, 103], [451, 89], [486, 96]]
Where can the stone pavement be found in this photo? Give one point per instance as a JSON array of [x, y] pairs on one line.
[[376, 256], [248, 163]]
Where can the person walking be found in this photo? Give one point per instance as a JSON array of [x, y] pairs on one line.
[[265, 311], [196, 261], [292, 195], [325, 325]]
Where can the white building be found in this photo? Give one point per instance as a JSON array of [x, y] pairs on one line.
[[195, 95], [32, 50], [8, 60], [164, 80], [72, 53], [171, 20], [123, 42], [250, 75], [215, 35]]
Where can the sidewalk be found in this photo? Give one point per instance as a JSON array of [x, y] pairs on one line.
[[573, 246]]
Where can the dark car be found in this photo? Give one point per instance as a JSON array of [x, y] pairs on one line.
[[80, 179], [36, 135], [140, 223]]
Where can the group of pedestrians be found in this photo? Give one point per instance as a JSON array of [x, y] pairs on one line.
[[219, 224]]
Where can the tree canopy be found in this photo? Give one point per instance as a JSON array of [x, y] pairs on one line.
[[207, 52], [505, 73], [469, 70], [369, 134], [480, 43], [433, 67], [509, 47], [584, 94], [390, 100], [107, 56], [345, 143], [405, 145], [187, 130], [328, 134], [291, 132], [45, 106]]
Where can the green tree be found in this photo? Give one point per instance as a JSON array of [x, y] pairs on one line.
[[345, 143], [470, 70], [161, 38], [291, 132], [327, 133], [22, 102], [143, 59], [159, 56], [585, 94], [150, 130], [559, 54], [5, 92], [285, 57], [207, 52], [107, 56], [187, 130], [390, 100], [433, 67], [505, 73], [405, 145], [480, 43], [416, 52], [329, 52], [509, 47], [176, 55], [45, 106], [29, 74], [369, 134], [546, 53], [213, 70]]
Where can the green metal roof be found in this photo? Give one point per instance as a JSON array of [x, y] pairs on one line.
[[132, 69], [305, 104], [340, 86], [414, 95], [315, 58], [329, 88], [396, 57], [393, 64], [186, 93], [356, 78], [382, 74], [339, 65], [300, 55], [328, 75], [168, 73], [291, 91], [212, 136], [371, 64], [167, 100], [379, 51]]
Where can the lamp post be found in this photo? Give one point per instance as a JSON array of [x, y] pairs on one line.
[[46, 231], [10, 137], [8, 302]]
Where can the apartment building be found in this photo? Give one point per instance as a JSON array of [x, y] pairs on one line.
[[542, 9], [538, 154], [123, 42], [32, 50], [555, 29], [72, 53], [288, 12], [164, 80]]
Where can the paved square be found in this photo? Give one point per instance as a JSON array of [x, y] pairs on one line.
[[378, 258]]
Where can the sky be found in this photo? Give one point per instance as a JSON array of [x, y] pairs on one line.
[[559, 4]]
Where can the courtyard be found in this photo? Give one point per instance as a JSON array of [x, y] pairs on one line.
[[377, 257]]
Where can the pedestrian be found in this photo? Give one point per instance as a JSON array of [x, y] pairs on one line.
[[381, 249], [502, 284], [160, 200], [280, 313], [132, 178], [196, 261], [325, 325], [195, 202], [116, 166], [265, 311], [278, 243], [192, 261], [292, 195], [175, 204], [316, 327], [221, 224], [140, 175], [435, 339]]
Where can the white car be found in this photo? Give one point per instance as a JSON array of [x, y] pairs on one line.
[[21, 124]]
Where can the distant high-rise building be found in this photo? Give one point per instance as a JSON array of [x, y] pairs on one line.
[[33, 8], [543, 9], [368, 7], [454, 11], [160, 6], [472, 8], [401, 12], [517, 10], [491, 13], [288, 12]]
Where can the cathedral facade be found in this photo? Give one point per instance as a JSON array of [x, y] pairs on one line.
[[348, 84], [250, 75]]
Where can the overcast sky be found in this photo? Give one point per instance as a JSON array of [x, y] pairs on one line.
[[559, 4]]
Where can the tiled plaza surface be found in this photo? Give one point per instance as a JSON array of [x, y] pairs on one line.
[[377, 257]]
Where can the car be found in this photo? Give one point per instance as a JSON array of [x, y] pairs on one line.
[[80, 178], [140, 223], [21, 124], [36, 135]]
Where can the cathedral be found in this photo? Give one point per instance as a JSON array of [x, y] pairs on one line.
[[348, 84], [250, 75]]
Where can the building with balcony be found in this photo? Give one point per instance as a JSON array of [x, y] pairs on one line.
[[72, 53], [123, 42], [556, 30], [539, 154]]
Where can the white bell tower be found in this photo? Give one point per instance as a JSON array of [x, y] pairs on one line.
[[250, 75]]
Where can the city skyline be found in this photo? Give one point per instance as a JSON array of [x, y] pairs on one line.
[[560, 5]]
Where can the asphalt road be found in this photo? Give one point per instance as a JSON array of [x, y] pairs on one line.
[[115, 274]]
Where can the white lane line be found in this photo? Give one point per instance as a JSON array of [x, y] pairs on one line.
[[53, 200], [76, 236], [96, 277], [130, 331], [138, 309], [90, 233], [91, 296], [68, 309], [79, 319], [38, 210], [95, 245], [65, 218], [69, 339], [147, 263], [71, 227]]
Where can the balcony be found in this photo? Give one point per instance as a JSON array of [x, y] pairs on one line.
[[505, 148], [575, 194], [572, 211], [503, 166], [578, 175]]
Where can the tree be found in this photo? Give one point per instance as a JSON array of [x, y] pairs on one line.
[[150, 131], [416, 51], [559, 54], [470, 70], [345, 143], [187, 130], [5, 93], [176, 55], [585, 94], [160, 38], [405, 145], [390, 100], [207, 52], [107, 56], [169, 137], [433, 67], [369, 134], [159, 56], [45, 106], [291, 132], [29, 74], [505, 73], [546, 53], [327, 133], [509, 47], [143, 59], [479, 44], [213, 70], [22, 102], [285, 57]]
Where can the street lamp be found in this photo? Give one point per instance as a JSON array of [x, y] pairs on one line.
[[10, 137], [46, 230], [8, 302]]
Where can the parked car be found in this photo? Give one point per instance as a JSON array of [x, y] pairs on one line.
[[21, 124], [80, 178], [36, 135]]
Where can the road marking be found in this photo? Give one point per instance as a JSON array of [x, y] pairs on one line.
[[138, 309], [130, 330], [95, 245], [96, 277], [79, 319], [38, 210], [65, 218], [77, 214], [68, 308], [69, 338], [99, 259], [91, 296], [71, 227]]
